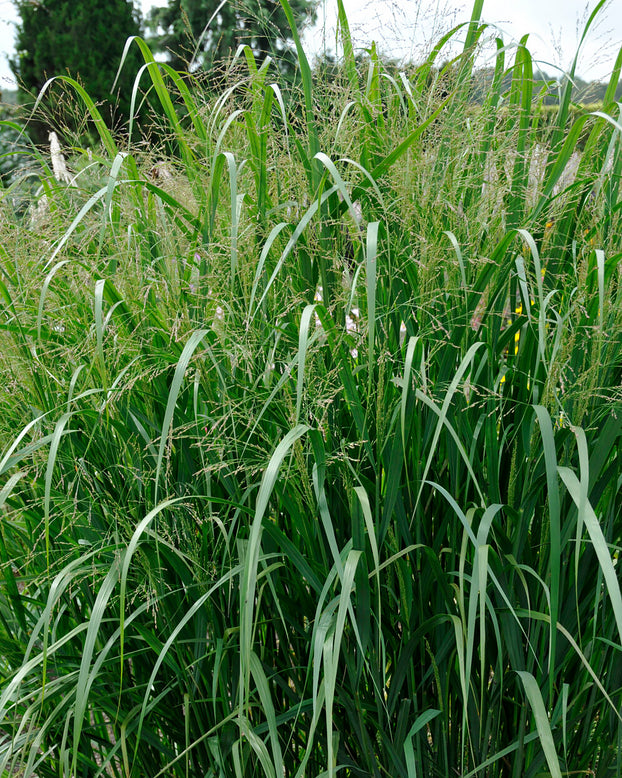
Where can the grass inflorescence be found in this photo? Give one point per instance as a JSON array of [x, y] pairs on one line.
[[311, 422]]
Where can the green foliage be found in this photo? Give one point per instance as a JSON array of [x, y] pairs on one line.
[[198, 33], [312, 434], [81, 39]]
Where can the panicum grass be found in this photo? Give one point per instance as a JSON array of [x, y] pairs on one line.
[[310, 429]]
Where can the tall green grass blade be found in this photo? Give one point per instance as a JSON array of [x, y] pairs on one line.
[[550, 461], [178, 378], [307, 87], [261, 682], [473, 32], [442, 415], [113, 177], [371, 279], [99, 325], [303, 343], [59, 432], [248, 581], [154, 69], [332, 648], [578, 492], [85, 677], [542, 722], [291, 243], [409, 752], [8, 572], [274, 233]]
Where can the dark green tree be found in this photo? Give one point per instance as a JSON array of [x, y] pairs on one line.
[[80, 38], [197, 33]]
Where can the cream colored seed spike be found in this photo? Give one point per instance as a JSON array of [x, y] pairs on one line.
[[59, 167]]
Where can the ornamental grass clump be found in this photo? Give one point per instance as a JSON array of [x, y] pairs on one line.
[[311, 447]]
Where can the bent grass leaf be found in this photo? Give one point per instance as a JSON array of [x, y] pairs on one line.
[[248, 581], [587, 516], [542, 722], [178, 378]]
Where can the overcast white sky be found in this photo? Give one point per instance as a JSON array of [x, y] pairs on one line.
[[405, 28]]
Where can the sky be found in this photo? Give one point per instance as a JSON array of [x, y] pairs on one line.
[[406, 28]]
